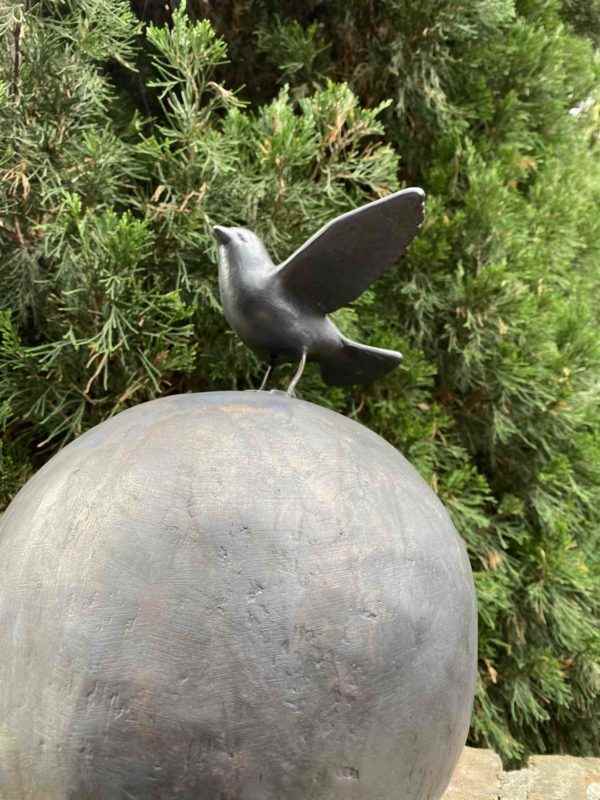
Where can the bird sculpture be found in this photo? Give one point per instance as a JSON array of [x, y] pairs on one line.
[[280, 312]]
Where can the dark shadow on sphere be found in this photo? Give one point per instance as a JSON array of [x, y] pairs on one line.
[[126, 742]]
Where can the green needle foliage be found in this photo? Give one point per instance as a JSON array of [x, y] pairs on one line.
[[122, 143]]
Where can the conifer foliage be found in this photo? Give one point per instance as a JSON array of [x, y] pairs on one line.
[[123, 141]]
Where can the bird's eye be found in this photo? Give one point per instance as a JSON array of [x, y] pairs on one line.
[[242, 237]]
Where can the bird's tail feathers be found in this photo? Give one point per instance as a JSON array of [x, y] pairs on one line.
[[357, 363]]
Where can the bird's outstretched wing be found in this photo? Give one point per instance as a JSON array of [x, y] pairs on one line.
[[340, 261]]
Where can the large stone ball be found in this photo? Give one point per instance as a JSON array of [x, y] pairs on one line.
[[232, 596]]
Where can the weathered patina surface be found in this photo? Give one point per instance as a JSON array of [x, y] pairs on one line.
[[232, 596]]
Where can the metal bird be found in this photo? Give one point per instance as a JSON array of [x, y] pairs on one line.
[[280, 312]]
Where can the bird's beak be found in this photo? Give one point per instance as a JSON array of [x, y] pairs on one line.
[[221, 234]]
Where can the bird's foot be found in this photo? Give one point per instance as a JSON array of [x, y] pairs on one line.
[[265, 379], [294, 382]]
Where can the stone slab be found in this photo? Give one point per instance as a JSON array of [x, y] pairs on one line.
[[563, 777], [477, 776], [515, 785]]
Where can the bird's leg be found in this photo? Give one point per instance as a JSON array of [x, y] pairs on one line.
[[298, 375], [266, 378]]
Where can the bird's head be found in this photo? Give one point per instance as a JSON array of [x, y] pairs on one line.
[[241, 249]]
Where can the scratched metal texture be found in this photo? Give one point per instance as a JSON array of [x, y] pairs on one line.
[[232, 596]]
